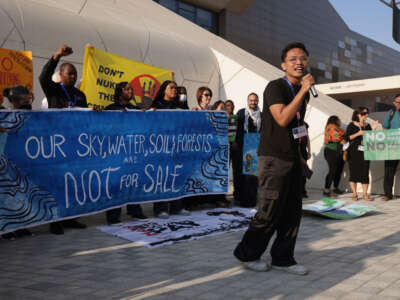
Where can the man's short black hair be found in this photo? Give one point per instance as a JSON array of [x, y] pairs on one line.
[[292, 46], [64, 65]]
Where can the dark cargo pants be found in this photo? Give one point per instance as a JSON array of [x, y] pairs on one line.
[[279, 211]]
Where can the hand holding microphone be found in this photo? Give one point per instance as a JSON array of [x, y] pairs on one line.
[[308, 81]]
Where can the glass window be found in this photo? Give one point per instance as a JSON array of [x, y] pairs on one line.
[[204, 18], [170, 4]]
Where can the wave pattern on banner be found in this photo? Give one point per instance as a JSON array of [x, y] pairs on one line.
[[23, 202]]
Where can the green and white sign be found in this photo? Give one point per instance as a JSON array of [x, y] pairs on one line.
[[382, 144]]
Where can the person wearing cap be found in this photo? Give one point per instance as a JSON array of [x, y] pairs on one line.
[[62, 94]]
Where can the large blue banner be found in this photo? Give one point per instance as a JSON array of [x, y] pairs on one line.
[[59, 164]]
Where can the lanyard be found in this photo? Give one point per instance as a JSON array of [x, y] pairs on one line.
[[294, 95], [70, 102]]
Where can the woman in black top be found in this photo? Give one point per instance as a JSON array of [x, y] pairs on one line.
[[359, 168], [123, 95], [166, 99]]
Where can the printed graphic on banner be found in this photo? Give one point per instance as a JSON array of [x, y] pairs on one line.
[[103, 70], [15, 69], [200, 224], [382, 144], [88, 161], [250, 158]]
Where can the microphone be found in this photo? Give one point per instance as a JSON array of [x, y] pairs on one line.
[[312, 88]]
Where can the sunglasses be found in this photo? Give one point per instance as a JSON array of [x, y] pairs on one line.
[[207, 95], [364, 113]]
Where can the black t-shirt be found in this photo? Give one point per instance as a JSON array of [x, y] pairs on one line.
[[275, 140], [165, 104], [120, 106]]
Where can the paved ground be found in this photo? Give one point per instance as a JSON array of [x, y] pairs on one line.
[[354, 259]]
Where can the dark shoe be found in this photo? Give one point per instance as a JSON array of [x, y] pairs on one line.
[[23, 232], [139, 216], [328, 194], [9, 236], [305, 195], [338, 191], [56, 228], [74, 224], [386, 198]]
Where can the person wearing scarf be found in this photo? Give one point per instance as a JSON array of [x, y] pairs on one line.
[[248, 121]]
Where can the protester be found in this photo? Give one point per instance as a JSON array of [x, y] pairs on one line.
[[218, 105], [285, 101], [358, 166], [165, 99], [20, 98], [182, 97], [62, 95], [233, 147], [203, 96], [249, 121], [334, 140], [392, 121], [123, 95]]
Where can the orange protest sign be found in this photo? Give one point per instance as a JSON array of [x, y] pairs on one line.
[[15, 69]]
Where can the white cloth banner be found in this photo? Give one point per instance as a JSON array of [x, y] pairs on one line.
[[159, 232]]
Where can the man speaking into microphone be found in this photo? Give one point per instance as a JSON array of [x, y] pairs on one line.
[[280, 172]]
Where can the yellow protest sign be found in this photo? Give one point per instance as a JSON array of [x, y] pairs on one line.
[[103, 70], [15, 68]]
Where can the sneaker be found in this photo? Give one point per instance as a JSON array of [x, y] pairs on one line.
[[163, 215], [73, 224], [295, 269], [113, 221], [338, 191], [9, 236], [23, 232], [325, 193], [256, 265], [184, 212], [56, 228], [140, 216]]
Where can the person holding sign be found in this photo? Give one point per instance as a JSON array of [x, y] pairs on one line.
[[392, 121], [166, 99], [334, 139], [358, 166], [63, 94], [280, 169], [122, 101]]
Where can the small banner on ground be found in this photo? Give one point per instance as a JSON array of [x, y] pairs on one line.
[[15, 69], [337, 209], [103, 70], [382, 144], [250, 157], [62, 164], [200, 224]]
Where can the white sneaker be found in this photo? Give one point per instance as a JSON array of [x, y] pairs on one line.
[[256, 265], [163, 215], [295, 269], [184, 212]]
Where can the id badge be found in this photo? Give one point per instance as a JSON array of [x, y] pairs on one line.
[[299, 132], [360, 148]]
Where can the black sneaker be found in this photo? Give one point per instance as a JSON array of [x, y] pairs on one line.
[[328, 194], [9, 236], [139, 216], [56, 228], [338, 191], [114, 221], [73, 224]]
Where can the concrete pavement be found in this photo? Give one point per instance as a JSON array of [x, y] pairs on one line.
[[352, 259]]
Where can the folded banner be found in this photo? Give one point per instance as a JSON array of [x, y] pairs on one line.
[[250, 158], [382, 144], [103, 70], [15, 69], [61, 164]]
